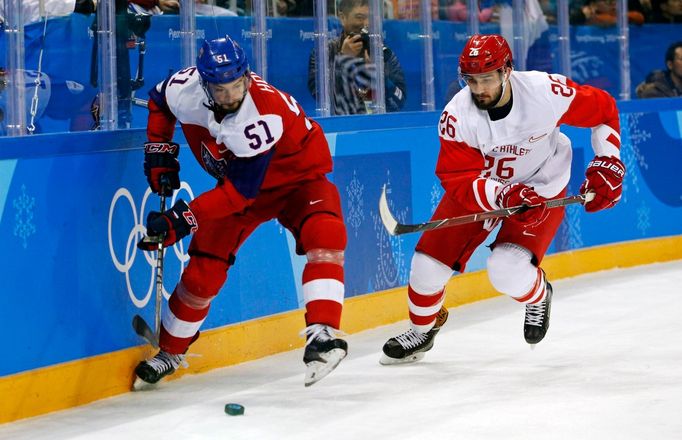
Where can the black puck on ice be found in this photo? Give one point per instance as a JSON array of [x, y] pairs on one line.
[[234, 409]]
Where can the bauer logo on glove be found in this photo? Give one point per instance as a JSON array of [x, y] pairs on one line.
[[603, 177], [610, 165]]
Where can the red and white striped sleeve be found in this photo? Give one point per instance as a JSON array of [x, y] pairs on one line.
[[459, 168], [596, 109]]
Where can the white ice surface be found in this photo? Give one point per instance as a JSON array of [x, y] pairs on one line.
[[609, 368]]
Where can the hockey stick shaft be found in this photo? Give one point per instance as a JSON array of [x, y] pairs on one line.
[[165, 185], [395, 228], [139, 324], [159, 276]]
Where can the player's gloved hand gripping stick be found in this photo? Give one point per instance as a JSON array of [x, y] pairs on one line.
[[395, 228]]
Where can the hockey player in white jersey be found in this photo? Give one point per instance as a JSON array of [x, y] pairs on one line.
[[269, 161], [501, 147]]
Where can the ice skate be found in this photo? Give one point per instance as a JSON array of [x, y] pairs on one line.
[[411, 345], [537, 319], [323, 352], [151, 371]]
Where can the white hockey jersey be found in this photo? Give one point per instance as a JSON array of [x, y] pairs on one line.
[[479, 156]]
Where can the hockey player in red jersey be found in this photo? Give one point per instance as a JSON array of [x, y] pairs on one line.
[[269, 161], [501, 147]]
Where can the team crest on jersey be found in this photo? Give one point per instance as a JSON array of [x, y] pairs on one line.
[[215, 166]]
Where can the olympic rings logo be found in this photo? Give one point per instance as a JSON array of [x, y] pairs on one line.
[[136, 233]]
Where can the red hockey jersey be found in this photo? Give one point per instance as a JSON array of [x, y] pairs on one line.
[[269, 142]]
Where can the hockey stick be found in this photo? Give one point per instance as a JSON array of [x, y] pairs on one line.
[[395, 228], [139, 324], [159, 273], [142, 329]]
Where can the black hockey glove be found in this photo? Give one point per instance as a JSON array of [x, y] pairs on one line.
[[170, 226], [161, 167]]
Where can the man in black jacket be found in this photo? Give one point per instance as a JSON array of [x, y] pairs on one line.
[[664, 83], [351, 69]]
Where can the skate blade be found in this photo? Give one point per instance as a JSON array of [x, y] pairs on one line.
[[141, 385], [317, 370], [385, 360]]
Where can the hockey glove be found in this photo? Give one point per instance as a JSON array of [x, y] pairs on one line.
[[170, 226], [518, 194], [161, 167], [603, 177]]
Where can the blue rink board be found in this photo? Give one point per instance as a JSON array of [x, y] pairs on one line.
[[70, 205]]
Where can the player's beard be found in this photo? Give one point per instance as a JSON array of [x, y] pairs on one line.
[[488, 103], [220, 111], [233, 107]]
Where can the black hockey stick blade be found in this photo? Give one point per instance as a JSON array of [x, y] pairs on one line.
[[144, 331], [395, 228]]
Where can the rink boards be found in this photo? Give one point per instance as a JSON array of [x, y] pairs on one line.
[[71, 209]]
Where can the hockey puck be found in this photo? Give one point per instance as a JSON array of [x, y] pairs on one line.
[[234, 409]]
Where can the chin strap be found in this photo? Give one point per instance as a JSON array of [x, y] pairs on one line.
[[504, 87], [218, 112], [211, 103], [505, 82]]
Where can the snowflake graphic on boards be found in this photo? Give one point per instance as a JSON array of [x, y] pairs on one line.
[[356, 202], [436, 195], [632, 136], [643, 218], [571, 236], [23, 217]]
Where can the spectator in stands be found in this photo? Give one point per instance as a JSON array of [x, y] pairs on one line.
[[646, 7], [457, 11], [285, 8], [53, 8], [603, 13], [203, 7], [154, 7], [306, 8], [411, 9], [351, 70], [668, 83], [667, 11], [549, 9]]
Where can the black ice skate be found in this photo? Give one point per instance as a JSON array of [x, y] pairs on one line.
[[411, 345], [537, 318], [149, 372], [323, 352]]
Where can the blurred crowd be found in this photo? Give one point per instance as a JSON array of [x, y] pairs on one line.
[[582, 12], [353, 75]]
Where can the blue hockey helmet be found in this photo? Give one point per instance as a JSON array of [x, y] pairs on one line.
[[221, 61]]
